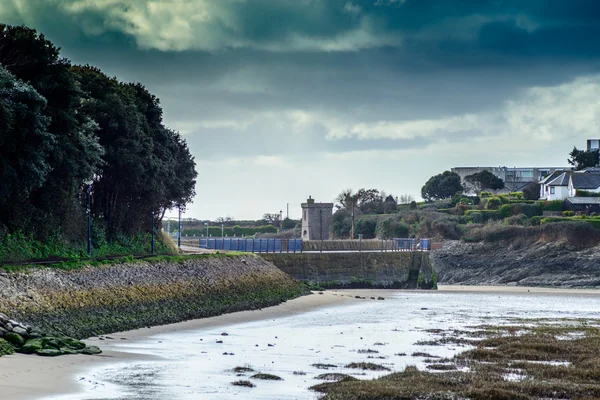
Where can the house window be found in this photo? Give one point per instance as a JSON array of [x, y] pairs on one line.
[[552, 190]]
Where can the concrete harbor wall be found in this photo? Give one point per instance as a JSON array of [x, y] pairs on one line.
[[402, 270]]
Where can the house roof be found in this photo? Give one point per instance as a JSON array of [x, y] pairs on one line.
[[550, 177], [588, 170], [586, 181], [584, 200], [561, 180]]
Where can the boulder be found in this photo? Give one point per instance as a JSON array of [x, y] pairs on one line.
[[32, 346], [15, 339], [72, 344], [21, 331], [91, 350], [2, 331], [49, 352], [3, 317]]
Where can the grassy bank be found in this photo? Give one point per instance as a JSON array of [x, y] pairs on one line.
[[525, 361]]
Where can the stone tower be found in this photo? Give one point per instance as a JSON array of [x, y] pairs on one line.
[[316, 220]]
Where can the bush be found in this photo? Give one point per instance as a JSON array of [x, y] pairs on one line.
[[391, 227], [485, 194], [476, 217], [568, 213], [535, 221], [493, 203], [413, 205], [520, 219], [554, 205], [505, 210], [367, 227], [585, 193], [486, 215]]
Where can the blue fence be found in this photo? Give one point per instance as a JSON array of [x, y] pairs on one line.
[[410, 244], [253, 245]]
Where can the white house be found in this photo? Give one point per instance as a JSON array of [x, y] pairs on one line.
[[556, 188], [544, 188], [588, 181]]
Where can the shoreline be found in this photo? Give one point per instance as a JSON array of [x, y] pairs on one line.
[[34, 377]]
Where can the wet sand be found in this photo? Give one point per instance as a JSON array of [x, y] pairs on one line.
[[32, 377]]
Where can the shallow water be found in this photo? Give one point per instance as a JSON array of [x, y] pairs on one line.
[[192, 365]]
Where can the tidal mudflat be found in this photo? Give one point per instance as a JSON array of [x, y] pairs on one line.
[[350, 337]]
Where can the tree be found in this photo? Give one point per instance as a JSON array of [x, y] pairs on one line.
[[76, 154], [390, 205], [441, 186], [531, 191], [25, 147], [288, 223], [581, 159], [272, 218], [406, 198], [483, 180]]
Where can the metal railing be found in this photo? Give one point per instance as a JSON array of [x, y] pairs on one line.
[[252, 245]]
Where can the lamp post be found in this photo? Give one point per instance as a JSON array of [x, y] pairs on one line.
[[89, 216], [206, 224], [179, 229], [153, 232], [222, 230]]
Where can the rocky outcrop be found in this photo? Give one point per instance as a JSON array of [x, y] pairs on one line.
[[535, 263], [102, 299]]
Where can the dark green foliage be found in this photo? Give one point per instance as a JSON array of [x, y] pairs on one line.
[[529, 210], [442, 186], [581, 159], [483, 180], [390, 205], [342, 223], [531, 191], [554, 205], [288, 223], [493, 203], [72, 124], [366, 226], [6, 348], [585, 193], [413, 205], [392, 228]]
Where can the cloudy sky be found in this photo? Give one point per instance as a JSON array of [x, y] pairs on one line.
[[282, 99]]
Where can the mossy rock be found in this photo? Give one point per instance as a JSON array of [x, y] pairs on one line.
[[15, 339], [32, 346], [73, 344], [91, 350], [6, 348], [49, 352]]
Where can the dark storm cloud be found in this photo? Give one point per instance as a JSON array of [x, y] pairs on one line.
[[350, 61]]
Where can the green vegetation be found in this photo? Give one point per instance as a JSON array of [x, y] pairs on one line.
[[62, 125], [581, 159], [442, 186], [529, 361], [266, 377], [243, 383]]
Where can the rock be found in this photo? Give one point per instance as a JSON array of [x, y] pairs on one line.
[[380, 298], [34, 334], [91, 350], [21, 331], [3, 332], [219, 341], [32, 346], [73, 344], [224, 334], [49, 352], [15, 339], [8, 326], [6, 348], [3, 318]]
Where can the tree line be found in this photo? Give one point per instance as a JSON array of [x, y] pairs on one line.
[[62, 125]]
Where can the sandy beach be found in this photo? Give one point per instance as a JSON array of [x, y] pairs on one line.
[[33, 377]]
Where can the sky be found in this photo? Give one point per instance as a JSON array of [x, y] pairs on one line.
[[284, 99]]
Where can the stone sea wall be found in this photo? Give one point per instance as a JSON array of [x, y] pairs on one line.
[[400, 270], [97, 300]]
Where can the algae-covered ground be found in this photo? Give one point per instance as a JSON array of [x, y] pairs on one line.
[[530, 359], [88, 300]]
